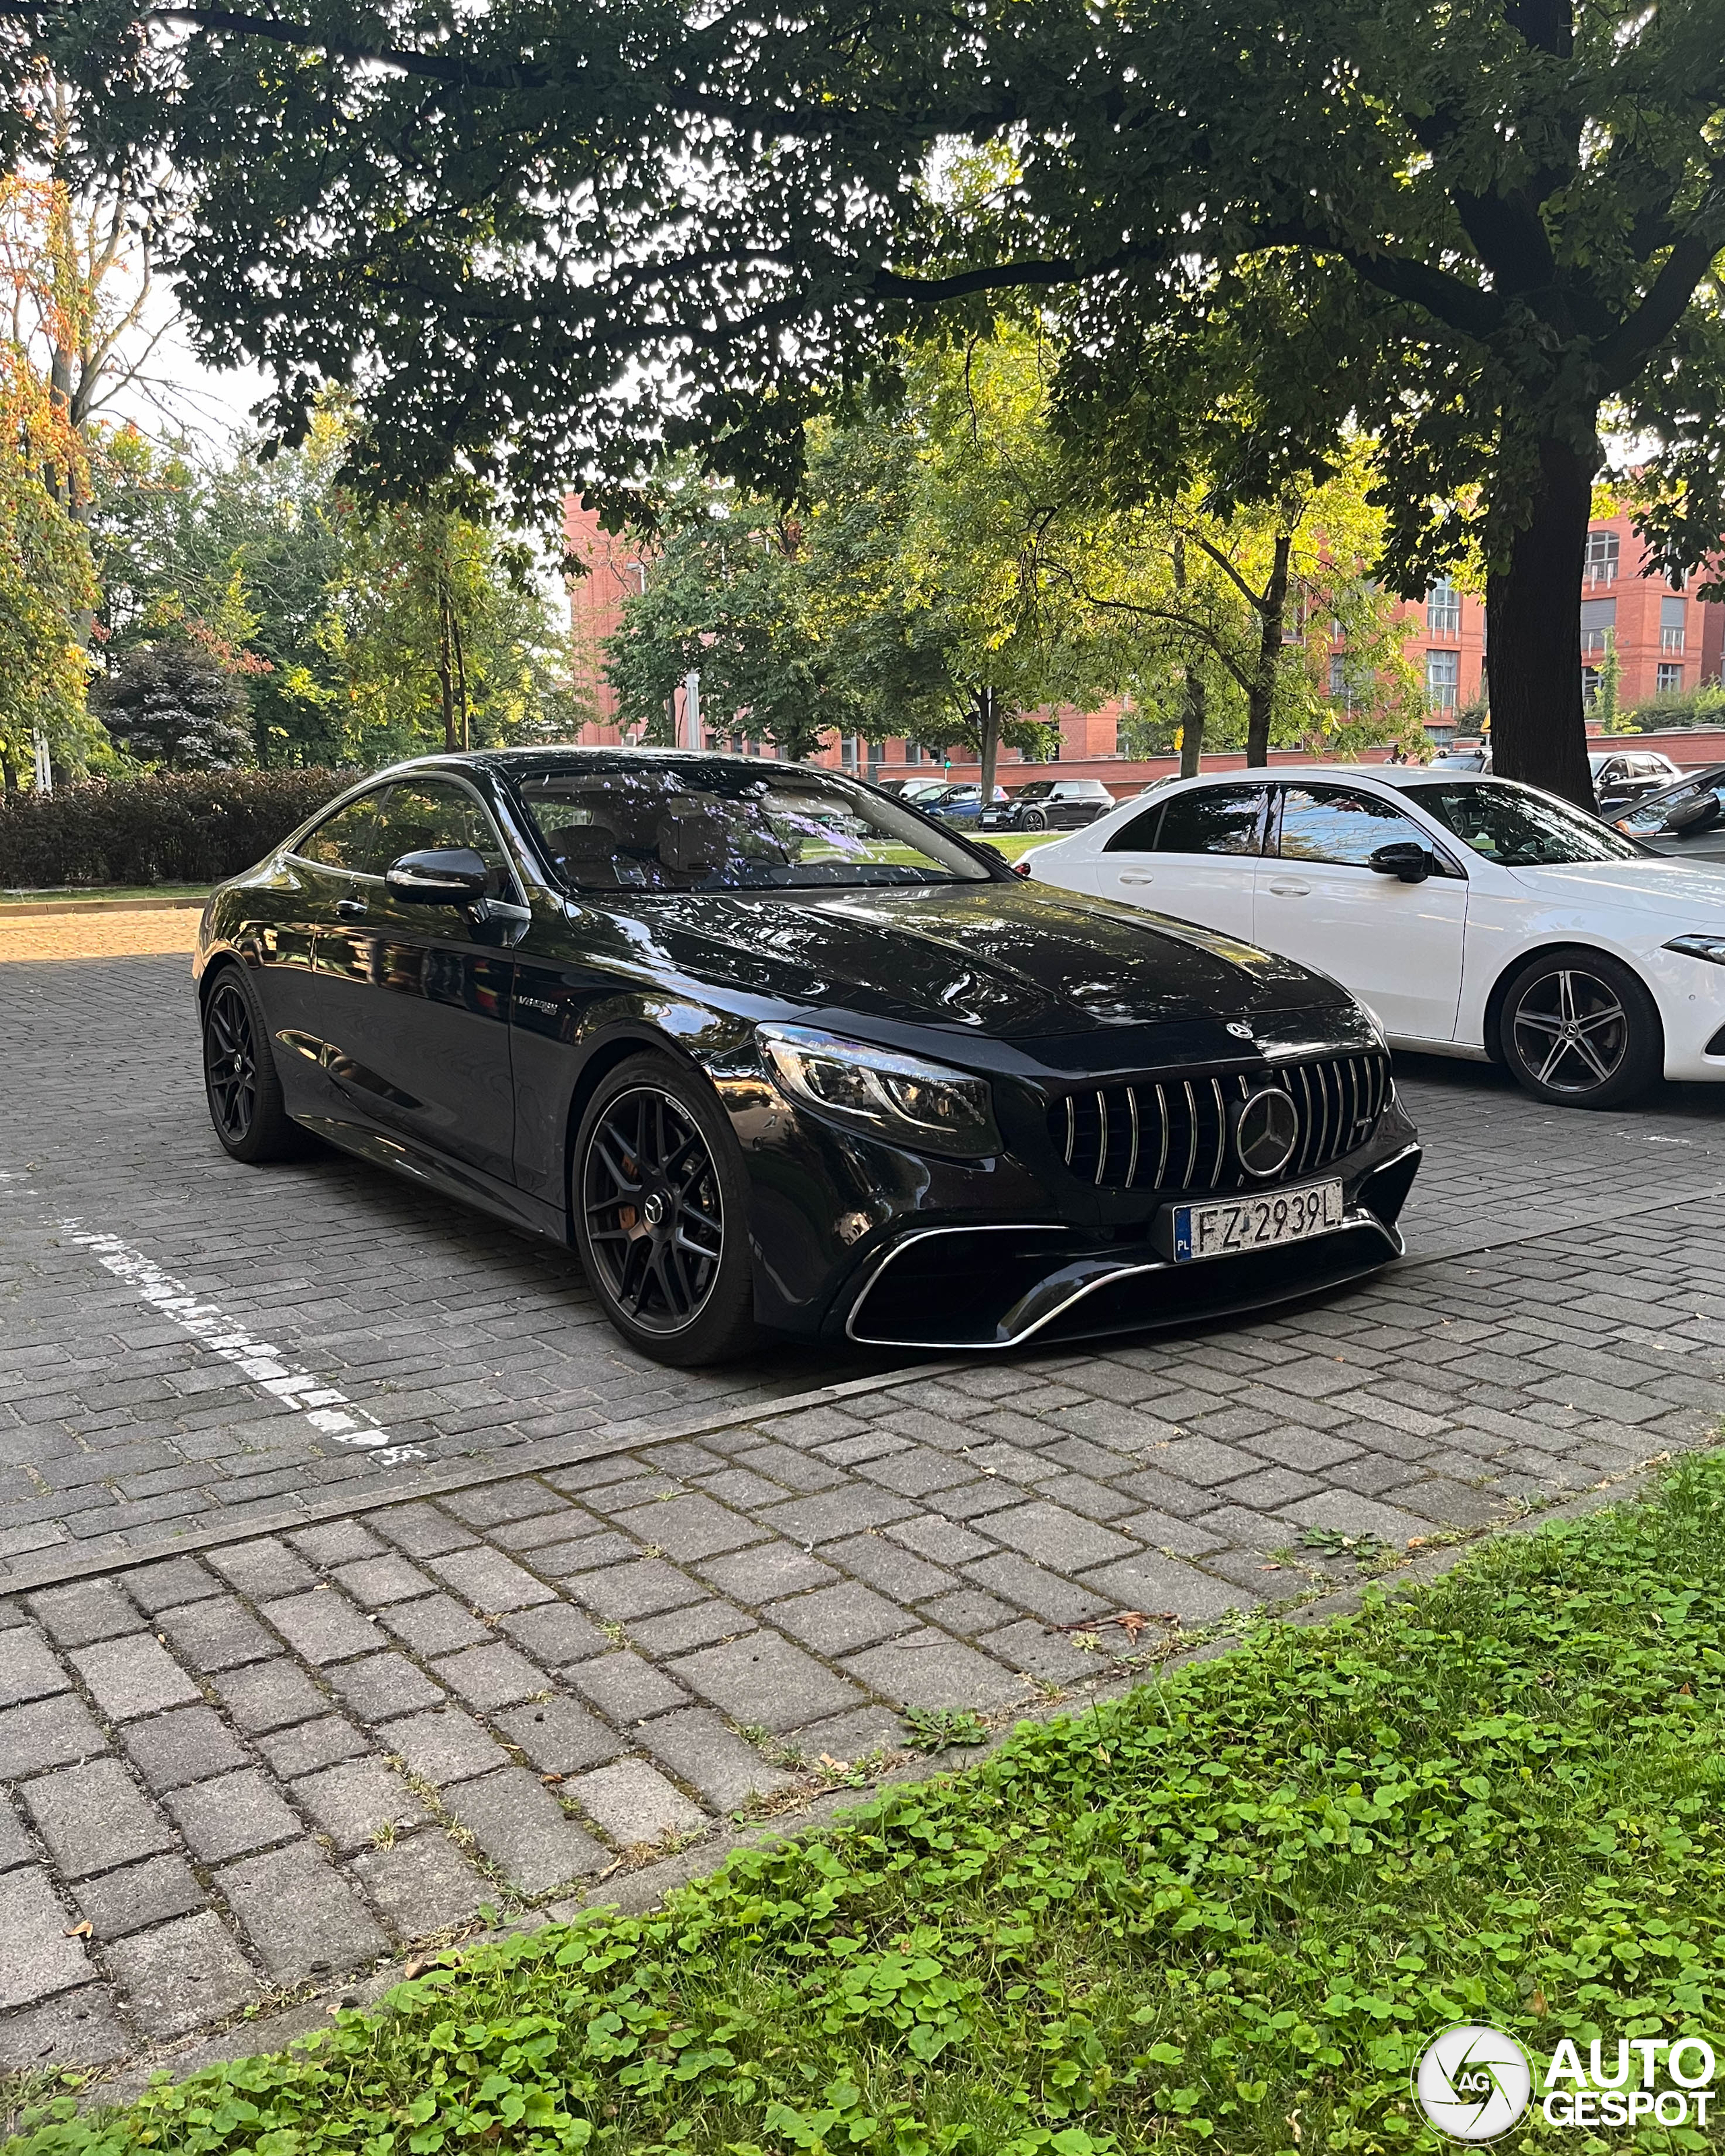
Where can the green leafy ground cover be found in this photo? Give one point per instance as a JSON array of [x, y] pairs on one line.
[[1222, 1913]]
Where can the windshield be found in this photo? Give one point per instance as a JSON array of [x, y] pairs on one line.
[[1036, 792], [1519, 827], [717, 825]]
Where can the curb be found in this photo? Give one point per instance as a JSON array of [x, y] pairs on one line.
[[12, 909]]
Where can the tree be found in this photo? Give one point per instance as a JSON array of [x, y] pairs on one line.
[[1472, 230], [171, 704]]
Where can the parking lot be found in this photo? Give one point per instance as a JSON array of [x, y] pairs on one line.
[[355, 1575]]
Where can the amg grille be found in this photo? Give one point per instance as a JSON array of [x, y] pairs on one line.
[[1178, 1134]]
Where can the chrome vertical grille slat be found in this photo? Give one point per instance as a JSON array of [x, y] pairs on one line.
[[1146, 1135]]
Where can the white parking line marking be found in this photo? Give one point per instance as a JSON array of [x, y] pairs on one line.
[[327, 1409]]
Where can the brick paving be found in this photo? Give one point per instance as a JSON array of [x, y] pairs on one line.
[[273, 1762]]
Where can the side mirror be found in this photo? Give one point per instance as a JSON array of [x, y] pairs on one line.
[[1690, 819], [440, 875], [1405, 859]]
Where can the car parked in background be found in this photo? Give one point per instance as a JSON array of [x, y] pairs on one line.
[[1050, 804], [1471, 915], [1686, 820], [960, 806], [1626, 775]]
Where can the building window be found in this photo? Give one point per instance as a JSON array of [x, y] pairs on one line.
[[1338, 674], [1443, 678], [1673, 613], [1443, 610], [1599, 619], [848, 752], [1589, 685], [1669, 680], [1600, 566]]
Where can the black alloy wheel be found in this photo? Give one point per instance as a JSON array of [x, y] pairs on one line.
[[1580, 1030], [1032, 819], [239, 1075], [658, 1196]]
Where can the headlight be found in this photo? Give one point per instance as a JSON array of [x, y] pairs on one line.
[[923, 1105], [1710, 947]]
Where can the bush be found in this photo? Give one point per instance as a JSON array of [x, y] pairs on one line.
[[1703, 706], [166, 827]]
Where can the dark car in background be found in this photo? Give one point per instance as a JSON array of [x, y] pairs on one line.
[[1050, 804], [1625, 775], [1686, 820], [777, 1054], [960, 806]]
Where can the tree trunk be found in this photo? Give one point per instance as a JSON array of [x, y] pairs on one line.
[[1192, 725], [1260, 697], [461, 679], [445, 674], [8, 777], [988, 729], [1533, 634]]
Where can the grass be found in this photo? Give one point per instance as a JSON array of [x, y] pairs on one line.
[[1222, 1913], [1015, 845], [107, 891]]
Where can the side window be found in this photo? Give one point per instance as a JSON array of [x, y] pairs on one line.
[[348, 839], [1218, 820], [1329, 823], [430, 813]]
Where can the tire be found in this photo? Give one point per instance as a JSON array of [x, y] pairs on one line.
[[681, 1288], [1032, 819], [1579, 1029], [240, 1081]]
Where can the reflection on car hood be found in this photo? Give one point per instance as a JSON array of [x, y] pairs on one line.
[[1005, 958], [1689, 891]]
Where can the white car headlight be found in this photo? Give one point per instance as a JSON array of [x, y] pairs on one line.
[[914, 1103], [1700, 946]]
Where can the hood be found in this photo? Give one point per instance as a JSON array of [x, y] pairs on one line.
[[1691, 893], [1004, 959]]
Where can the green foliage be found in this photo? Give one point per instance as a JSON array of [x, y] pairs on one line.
[[1702, 706], [171, 704], [1222, 1912], [158, 828], [932, 1729]]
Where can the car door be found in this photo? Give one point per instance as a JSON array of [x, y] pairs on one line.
[[325, 878], [1192, 854], [426, 989], [1397, 946]]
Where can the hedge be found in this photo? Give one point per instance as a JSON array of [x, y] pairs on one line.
[[166, 827]]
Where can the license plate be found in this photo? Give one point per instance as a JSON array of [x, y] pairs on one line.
[[1256, 1223]]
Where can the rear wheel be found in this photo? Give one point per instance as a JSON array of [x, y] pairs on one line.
[[658, 1196], [239, 1075], [1579, 1029]]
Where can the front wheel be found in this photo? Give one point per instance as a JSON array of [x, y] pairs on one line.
[[239, 1076], [1580, 1030], [1032, 819], [660, 1198]]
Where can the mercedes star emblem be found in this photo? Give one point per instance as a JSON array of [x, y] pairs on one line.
[[1266, 1132]]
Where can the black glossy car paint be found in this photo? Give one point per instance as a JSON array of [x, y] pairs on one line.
[[458, 1048]]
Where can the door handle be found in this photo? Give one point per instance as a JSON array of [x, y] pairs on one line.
[[1135, 876], [1291, 890], [351, 909]]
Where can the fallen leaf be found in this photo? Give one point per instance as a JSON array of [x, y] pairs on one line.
[[549, 1779], [1538, 2002], [78, 1931]]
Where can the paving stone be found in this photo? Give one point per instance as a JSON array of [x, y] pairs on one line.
[[1057, 1539], [744, 1490], [321, 1626], [968, 1611], [941, 1540], [422, 1530], [300, 1915], [182, 1973], [1078, 1493], [1044, 1594], [436, 1625], [489, 1580], [1164, 1532], [643, 1589], [544, 1528], [215, 1635], [77, 2029], [765, 1573], [524, 1831], [559, 1736], [490, 1677], [701, 1750], [46, 1732], [632, 1803], [227, 1817], [832, 1514], [336, 1542], [1151, 1582], [764, 1680], [700, 1625], [355, 1801], [1358, 1515], [263, 1570], [626, 1688], [423, 1884], [1261, 1532], [971, 1501], [158, 1587], [1168, 1494], [372, 1582], [568, 1561], [188, 1745], [132, 1676], [88, 1609], [91, 1818], [1033, 1648], [142, 1894], [836, 1620], [270, 1696], [442, 1747], [865, 1732], [1453, 1504], [29, 1668], [555, 1634], [14, 1842], [1370, 1474], [792, 1469], [37, 1959], [383, 1685], [497, 1502], [312, 1745], [690, 1528], [927, 1669], [1203, 1462], [1308, 1451], [890, 1570], [1269, 1488]]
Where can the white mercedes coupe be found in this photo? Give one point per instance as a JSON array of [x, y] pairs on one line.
[[1471, 915]]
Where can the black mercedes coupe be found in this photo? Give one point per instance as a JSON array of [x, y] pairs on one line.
[[779, 1054]]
